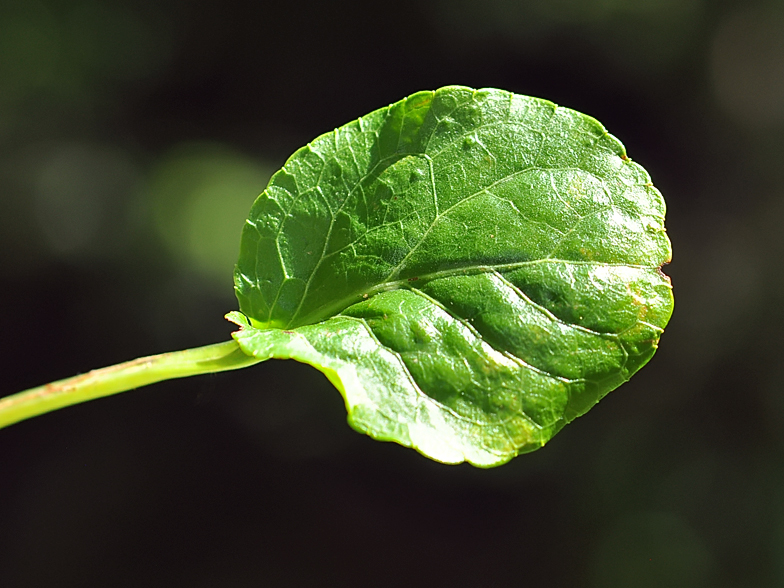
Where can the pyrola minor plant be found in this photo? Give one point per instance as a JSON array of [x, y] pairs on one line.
[[472, 269]]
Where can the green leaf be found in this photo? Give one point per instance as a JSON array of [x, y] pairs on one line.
[[472, 269]]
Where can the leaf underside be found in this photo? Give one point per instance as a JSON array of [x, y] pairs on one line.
[[472, 269]]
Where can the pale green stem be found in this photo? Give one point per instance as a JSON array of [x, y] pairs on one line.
[[121, 377]]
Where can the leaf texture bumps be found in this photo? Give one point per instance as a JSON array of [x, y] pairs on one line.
[[472, 269]]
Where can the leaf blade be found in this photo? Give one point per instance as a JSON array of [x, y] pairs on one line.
[[471, 232]]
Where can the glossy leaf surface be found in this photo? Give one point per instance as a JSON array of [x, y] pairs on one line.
[[471, 269]]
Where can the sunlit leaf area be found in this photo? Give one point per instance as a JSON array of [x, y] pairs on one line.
[[134, 138]]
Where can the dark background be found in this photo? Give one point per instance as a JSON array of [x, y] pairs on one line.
[[134, 136]]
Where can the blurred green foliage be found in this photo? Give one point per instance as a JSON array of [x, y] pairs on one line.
[[200, 196]]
